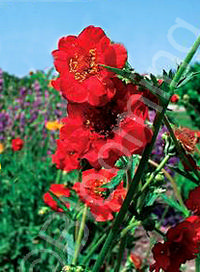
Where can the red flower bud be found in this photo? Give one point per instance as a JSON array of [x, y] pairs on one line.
[[174, 98]]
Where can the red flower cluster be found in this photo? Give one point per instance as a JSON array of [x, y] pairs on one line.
[[61, 192], [17, 144], [78, 60], [103, 134], [106, 117], [95, 197], [182, 244]]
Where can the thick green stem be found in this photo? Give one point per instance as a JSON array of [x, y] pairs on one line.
[[80, 235], [142, 165]]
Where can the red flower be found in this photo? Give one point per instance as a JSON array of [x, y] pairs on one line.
[[60, 191], [17, 144], [108, 132], [77, 60], [71, 146], [182, 244], [193, 201], [174, 98], [91, 193], [187, 137]]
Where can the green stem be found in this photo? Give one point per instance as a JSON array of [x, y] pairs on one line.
[[158, 169], [80, 235], [142, 165], [92, 250], [184, 64], [58, 176], [197, 264], [172, 181], [179, 148], [120, 253], [129, 227]]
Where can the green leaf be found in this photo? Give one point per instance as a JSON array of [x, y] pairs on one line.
[[171, 202], [115, 181], [122, 72], [186, 79], [154, 79]]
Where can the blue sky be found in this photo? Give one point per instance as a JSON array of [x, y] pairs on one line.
[[29, 30]]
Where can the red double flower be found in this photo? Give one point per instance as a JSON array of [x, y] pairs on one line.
[[182, 244], [103, 134], [102, 205], [77, 59]]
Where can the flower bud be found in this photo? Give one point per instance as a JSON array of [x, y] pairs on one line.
[[186, 98]]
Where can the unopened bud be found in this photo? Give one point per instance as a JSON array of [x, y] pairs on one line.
[[186, 98]]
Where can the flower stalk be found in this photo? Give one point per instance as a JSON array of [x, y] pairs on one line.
[[158, 169], [80, 235]]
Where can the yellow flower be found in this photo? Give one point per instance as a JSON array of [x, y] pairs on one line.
[[53, 125], [1, 148]]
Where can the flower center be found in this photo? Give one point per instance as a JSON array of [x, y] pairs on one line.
[[96, 187], [84, 66], [103, 120]]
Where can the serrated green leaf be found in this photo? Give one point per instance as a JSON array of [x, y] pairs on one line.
[[171, 202], [154, 79], [186, 79]]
